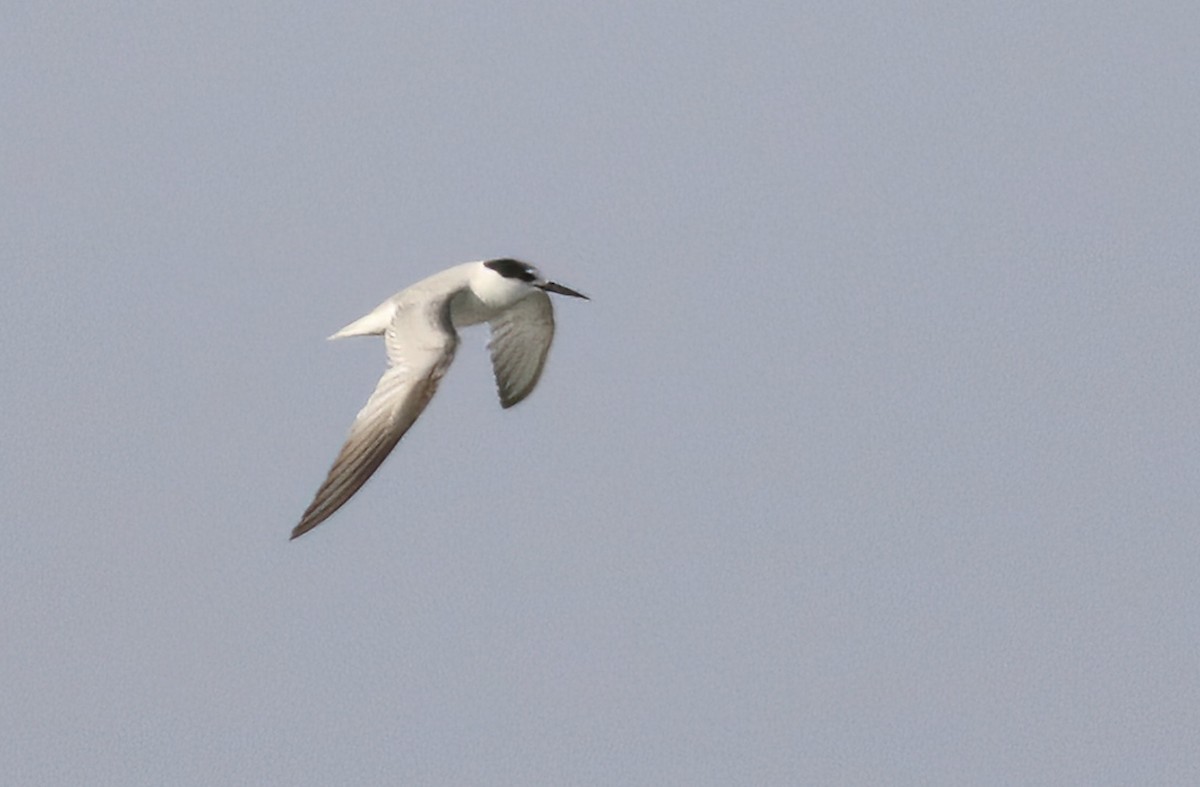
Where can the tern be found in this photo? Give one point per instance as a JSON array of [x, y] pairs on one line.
[[419, 327]]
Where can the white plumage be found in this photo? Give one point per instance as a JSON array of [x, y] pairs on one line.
[[419, 325]]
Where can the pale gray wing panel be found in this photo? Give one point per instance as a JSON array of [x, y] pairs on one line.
[[399, 398], [520, 341]]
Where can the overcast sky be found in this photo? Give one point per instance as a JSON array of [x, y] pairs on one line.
[[874, 458]]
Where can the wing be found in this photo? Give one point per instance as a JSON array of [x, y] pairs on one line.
[[420, 345], [521, 338]]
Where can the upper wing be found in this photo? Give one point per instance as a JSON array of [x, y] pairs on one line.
[[521, 339], [420, 345]]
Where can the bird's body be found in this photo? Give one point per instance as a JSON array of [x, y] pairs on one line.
[[419, 325]]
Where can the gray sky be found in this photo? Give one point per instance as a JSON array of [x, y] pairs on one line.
[[875, 457]]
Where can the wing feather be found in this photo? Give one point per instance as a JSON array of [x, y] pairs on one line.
[[420, 346], [521, 338]]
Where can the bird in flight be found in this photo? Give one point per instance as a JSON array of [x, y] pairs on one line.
[[419, 327]]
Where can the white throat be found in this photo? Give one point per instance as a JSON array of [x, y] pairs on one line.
[[496, 291]]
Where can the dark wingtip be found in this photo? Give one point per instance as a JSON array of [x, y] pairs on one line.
[[303, 528]]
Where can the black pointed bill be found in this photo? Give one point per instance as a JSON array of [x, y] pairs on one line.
[[561, 290]]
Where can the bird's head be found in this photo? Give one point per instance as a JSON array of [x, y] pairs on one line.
[[507, 281]]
